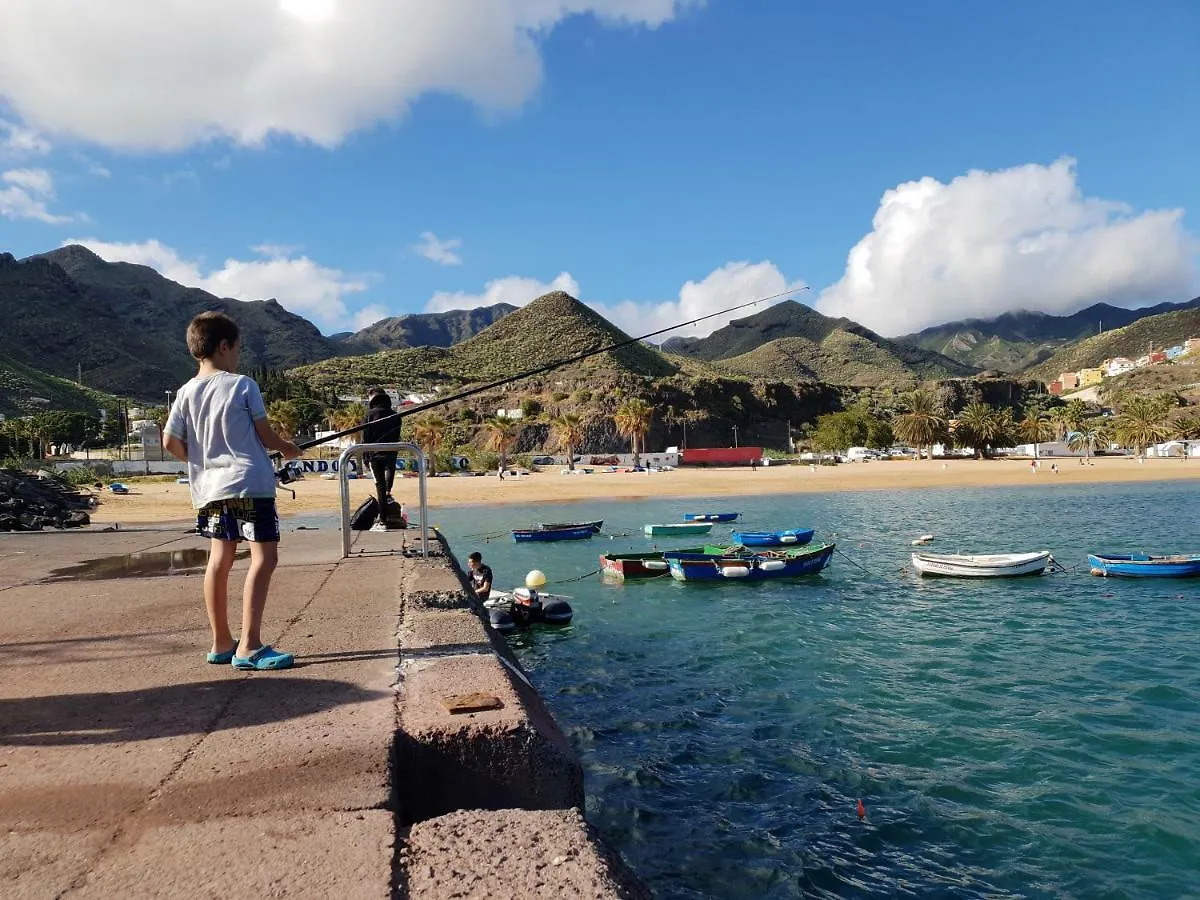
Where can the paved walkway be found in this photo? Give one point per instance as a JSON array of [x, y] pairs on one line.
[[131, 768]]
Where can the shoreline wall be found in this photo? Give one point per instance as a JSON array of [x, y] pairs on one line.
[[486, 787]]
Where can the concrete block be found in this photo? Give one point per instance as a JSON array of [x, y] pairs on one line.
[[514, 756], [443, 630], [288, 854], [550, 854]]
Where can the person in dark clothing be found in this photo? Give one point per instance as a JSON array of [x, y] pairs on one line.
[[481, 577], [382, 427]]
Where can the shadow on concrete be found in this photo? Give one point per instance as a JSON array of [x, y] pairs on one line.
[[170, 710], [322, 659], [89, 648]]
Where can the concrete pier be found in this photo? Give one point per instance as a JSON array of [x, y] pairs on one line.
[[130, 767]]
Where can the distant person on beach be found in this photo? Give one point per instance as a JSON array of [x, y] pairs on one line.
[[382, 427], [481, 577], [218, 426]]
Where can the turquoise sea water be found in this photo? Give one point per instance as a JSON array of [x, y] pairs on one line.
[[1032, 737]]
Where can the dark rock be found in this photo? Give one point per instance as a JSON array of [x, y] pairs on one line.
[[30, 503]]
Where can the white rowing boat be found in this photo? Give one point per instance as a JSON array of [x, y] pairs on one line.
[[994, 565]]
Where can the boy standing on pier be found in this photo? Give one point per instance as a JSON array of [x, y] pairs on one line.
[[218, 426]]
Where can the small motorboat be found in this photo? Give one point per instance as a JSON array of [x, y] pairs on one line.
[[992, 565], [711, 517], [578, 533], [678, 528], [520, 608], [639, 565], [740, 565], [794, 537], [556, 526], [1145, 565]]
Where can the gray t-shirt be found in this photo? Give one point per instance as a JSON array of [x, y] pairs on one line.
[[215, 417]]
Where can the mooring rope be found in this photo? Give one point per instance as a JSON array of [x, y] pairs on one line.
[[578, 578], [854, 562]]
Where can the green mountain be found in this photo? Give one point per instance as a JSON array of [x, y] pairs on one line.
[[24, 390], [443, 329], [123, 325], [792, 341], [1156, 332], [1017, 341], [550, 328]]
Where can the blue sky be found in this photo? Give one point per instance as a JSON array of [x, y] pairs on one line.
[[667, 148]]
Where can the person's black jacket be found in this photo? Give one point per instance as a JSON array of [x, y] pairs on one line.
[[381, 432]]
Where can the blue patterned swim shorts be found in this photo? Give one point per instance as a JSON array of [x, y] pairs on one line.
[[242, 519]]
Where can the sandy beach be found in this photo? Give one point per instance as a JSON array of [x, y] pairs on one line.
[[153, 501]]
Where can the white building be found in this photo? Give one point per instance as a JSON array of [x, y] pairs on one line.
[[1119, 366], [1177, 449], [1048, 450]]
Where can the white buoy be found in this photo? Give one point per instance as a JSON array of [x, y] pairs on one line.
[[923, 539], [535, 579]]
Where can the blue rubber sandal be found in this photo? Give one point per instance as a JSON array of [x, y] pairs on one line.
[[263, 659], [222, 659]]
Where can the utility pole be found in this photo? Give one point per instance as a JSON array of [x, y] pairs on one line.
[[735, 443]]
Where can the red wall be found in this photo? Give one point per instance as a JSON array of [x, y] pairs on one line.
[[721, 456]]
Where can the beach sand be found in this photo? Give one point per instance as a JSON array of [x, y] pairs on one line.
[[159, 502]]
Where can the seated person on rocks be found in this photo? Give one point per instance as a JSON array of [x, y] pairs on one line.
[[481, 577]]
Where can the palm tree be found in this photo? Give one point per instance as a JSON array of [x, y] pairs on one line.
[[921, 426], [284, 417], [1087, 436], [569, 429], [632, 419], [429, 433], [1187, 428], [1036, 428], [974, 427], [501, 437], [1074, 414], [347, 416], [1142, 422]]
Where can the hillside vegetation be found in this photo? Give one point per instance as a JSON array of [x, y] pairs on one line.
[[1132, 341], [443, 329], [791, 340], [24, 390], [1016, 341]]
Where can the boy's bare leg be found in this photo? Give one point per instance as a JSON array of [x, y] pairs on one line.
[[221, 555], [263, 558]]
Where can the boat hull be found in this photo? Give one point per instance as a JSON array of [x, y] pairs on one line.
[[531, 535], [710, 517], [1145, 566], [748, 566], [1002, 565], [675, 528], [646, 565], [559, 526], [795, 537]]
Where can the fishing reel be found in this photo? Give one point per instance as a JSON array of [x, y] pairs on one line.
[[284, 473]]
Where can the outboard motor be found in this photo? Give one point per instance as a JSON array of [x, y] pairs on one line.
[[502, 620], [527, 606]]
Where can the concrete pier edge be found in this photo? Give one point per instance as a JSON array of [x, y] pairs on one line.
[[488, 803]]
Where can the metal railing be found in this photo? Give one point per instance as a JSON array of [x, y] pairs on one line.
[[357, 451]]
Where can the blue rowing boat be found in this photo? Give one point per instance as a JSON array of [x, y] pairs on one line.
[[559, 526], [526, 535], [710, 517], [748, 566], [1143, 565], [794, 537]]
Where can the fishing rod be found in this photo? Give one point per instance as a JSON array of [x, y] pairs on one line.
[[283, 473]]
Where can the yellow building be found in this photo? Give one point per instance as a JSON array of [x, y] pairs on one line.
[[1089, 377]]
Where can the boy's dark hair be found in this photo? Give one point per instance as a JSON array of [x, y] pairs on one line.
[[207, 330], [377, 396], [475, 557]]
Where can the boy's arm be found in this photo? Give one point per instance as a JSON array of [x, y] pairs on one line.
[[273, 441], [176, 447]]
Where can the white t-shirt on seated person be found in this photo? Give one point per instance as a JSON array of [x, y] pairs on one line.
[[215, 417]]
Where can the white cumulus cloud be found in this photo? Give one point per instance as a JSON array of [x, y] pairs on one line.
[[368, 316], [165, 74], [18, 141], [436, 250], [733, 284], [24, 194], [993, 242], [299, 284], [514, 290]]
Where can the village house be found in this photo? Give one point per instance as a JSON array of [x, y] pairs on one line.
[[1068, 380], [1119, 365], [1175, 352], [1090, 377]]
